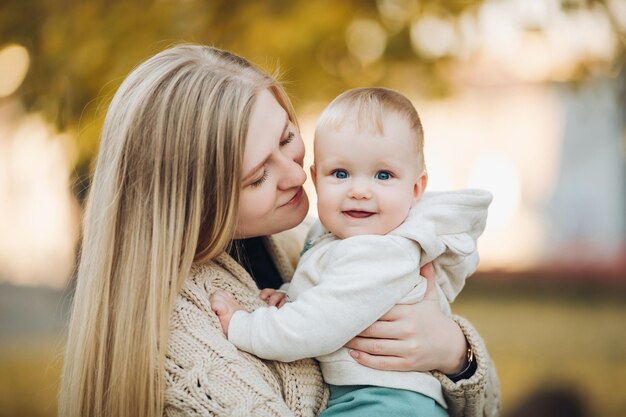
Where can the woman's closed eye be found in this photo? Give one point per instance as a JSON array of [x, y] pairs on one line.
[[341, 174], [261, 180], [288, 139]]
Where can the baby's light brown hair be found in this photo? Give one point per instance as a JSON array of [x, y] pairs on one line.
[[367, 108]]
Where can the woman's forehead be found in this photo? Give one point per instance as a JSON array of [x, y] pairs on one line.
[[268, 121]]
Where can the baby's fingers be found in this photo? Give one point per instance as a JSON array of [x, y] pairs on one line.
[[218, 302], [277, 299], [266, 293], [222, 305]]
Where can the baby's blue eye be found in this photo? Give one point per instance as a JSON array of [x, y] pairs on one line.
[[383, 175], [341, 174]]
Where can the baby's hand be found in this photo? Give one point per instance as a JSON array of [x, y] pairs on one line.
[[273, 297], [224, 305]]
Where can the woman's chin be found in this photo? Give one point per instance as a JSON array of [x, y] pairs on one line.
[[296, 214]]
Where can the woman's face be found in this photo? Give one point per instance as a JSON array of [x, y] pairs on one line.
[[271, 198]]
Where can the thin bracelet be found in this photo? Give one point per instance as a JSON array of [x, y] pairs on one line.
[[469, 370]]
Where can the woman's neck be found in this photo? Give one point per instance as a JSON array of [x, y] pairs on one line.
[[253, 256]]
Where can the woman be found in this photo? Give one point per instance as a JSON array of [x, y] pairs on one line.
[[199, 150]]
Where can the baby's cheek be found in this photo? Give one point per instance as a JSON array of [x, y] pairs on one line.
[[398, 214], [325, 214]]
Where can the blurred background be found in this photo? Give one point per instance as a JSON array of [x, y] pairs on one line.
[[526, 98]]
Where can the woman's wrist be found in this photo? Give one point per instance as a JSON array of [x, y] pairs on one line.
[[457, 358], [474, 353], [468, 369]]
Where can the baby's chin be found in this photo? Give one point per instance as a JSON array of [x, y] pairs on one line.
[[360, 231]]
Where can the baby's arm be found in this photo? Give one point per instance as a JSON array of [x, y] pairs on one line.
[[225, 305], [353, 294]]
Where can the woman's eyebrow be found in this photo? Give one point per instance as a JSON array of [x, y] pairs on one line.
[[253, 171], [260, 164]]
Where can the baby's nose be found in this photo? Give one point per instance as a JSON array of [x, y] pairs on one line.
[[360, 190]]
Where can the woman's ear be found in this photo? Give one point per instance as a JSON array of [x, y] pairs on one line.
[[420, 186], [313, 177]]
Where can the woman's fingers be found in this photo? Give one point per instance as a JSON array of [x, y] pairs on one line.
[[383, 330], [399, 311], [381, 347], [428, 271], [385, 363]]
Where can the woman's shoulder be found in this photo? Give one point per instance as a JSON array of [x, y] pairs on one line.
[[201, 282], [221, 273], [193, 296], [202, 279]]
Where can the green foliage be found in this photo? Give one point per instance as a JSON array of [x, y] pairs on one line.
[[80, 51]]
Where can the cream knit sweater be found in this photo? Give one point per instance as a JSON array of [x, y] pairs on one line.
[[207, 376]]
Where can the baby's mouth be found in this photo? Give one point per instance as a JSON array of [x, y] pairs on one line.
[[358, 214]]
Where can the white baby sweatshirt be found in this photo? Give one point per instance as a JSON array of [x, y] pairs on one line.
[[341, 286]]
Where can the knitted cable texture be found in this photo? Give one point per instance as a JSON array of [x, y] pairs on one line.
[[207, 376]]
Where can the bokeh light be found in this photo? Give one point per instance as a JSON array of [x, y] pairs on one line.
[[497, 173], [433, 36], [14, 61], [366, 40]]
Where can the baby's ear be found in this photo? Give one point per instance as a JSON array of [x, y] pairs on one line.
[[420, 186], [313, 177]]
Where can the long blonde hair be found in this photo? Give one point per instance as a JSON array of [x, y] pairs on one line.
[[164, 195]]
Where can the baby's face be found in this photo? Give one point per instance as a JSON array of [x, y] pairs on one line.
[[366, 182]]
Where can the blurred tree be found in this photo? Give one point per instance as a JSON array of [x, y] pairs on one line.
[[80, 51]]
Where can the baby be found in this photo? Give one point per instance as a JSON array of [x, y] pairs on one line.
[[377, 228]]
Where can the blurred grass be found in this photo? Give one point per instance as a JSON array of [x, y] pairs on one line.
[[539, 338], [536, 338], [29, 379]]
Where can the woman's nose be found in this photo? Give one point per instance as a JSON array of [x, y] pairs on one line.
[[292, 174]]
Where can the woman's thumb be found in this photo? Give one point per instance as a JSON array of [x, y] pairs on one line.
[[428, 272]]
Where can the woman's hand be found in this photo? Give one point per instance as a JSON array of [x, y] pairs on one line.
[[224, 305], [417, 337]]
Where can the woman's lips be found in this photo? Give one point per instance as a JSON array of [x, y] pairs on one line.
[[358, 214], [296, 198]]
